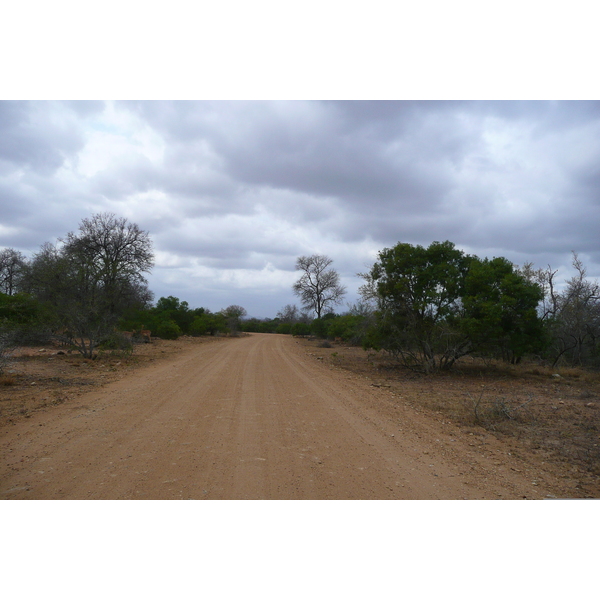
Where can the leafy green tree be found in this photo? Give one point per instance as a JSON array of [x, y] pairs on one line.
[[199, 326], [268, 326], [171, 308], [320, 327], [138, 318], [499, 311], [23, 319], [255, 325], [167, 305], [300, 329], [349, 328], [284, 328], [18, 309], [418, 291], [437, 304], [215, 322]]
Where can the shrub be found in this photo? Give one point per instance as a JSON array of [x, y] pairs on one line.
[[284, 328], [351, 328], [319, 327], [117, 341], [168, 330], [199, 326], [300, 329]]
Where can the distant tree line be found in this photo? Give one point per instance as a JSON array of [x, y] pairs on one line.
[[425, 307], [171, 318]]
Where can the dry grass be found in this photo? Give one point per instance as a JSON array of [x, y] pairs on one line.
[[48, 376], [558, 417]]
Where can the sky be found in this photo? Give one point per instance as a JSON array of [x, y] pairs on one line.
[[293, 135], [233, 192]]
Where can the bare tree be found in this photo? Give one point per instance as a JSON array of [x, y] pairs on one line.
[[368, 292], [545, 279], [115, 251], [319, 287], [12, 263], [90, 279], [289, 314], [576, 318]]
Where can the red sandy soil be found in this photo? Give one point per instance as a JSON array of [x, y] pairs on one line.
[[256, 417]]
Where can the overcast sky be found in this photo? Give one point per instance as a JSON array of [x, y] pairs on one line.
[[233, 192]]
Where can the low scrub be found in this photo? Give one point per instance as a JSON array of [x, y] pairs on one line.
[[168, 330]]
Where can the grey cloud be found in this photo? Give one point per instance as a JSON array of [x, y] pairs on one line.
[[40, 209], [86, 108], [31, 137], [137, 174], [589, 180], [362, 152], [179, 121], [229, 247], [13, 208], [345, 161], [396, 171], [513, 178], [404, 199]]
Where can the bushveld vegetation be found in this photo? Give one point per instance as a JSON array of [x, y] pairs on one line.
[[89, 291], [424, 307], [428, 307]]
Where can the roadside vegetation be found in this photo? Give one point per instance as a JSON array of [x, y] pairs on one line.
[[424, 308], [88, 292], [428, 308]]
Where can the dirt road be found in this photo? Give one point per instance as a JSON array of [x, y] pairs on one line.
[[253, 418]]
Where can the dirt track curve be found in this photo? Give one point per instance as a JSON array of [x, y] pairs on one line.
[[252, 418]]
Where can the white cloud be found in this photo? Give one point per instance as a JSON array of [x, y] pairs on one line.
[[233, 192]]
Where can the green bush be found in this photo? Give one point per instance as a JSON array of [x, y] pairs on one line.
[[320, 327], [199, 326], [268, 326], [168, 330], [28, 320], [437, 304], [350, 328], [284, 328], [300, 329]]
